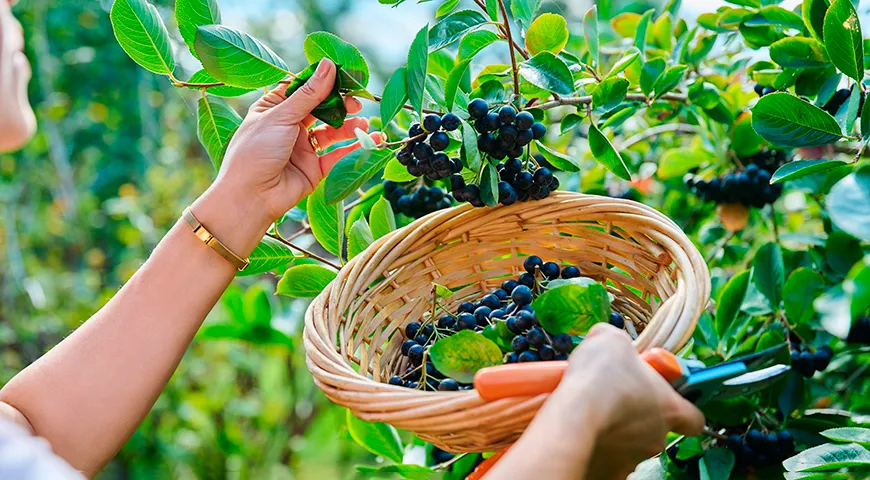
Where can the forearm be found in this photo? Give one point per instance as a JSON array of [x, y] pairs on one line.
[[89, 393]]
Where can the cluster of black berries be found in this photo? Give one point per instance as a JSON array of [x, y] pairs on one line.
[[419, 376], [423, 155], [751, 187], [421, 201], [806, 362], [761, 90], [504, 133], [760, 449], [860, 331]]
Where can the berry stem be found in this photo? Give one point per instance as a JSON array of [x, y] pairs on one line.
[[716, 435], [403, 141], [523, 52], [304, 251], [761, 413], [507, 30]]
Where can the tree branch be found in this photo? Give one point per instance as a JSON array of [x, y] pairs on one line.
[[587, 99], [501, 29], [304, 251], [507, 28]]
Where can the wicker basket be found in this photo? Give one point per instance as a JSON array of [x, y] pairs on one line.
[[353, 330]]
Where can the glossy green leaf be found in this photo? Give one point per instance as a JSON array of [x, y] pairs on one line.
[[418, 61], [236, 58], [326, 219], [332, 110], [625, 24], [268, 256], [359, 238], [395, 95], [730, 300], [843, 40], [141, 33], [192, 14], [492, 9], [783, 119], [846, 301], [452, 86], [216, 123], [203, 77], [378, 438], [305, 281], [446, 7], [801, 168], [848, 112], [452, 27], [799, 52], [669, 79], [606, 154], [590, 33], [569, 122], [769, 273], [468, 152], [828, 457], [320, 45], [849, 434], [650, 73], [489, 185], [382, 219], [396, 172], [548, 33], [776, 16], [640, 33], [352, 171], [471, 44], [573, 307], [663, 32], [801, 289], [608, 94], [524, 11], [549, 72], [848, 204], [629, 57], [461, 355], [561, 161], [813, 14]]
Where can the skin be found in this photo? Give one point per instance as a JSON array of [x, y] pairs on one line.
[[611, 412], [89, 393]]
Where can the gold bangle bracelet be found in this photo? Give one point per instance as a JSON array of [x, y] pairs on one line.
[[207, 238]]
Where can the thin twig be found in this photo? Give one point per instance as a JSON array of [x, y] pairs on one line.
[[403, 141], [767, 417], [304, 251], [587, 100], [716, 435], [507, 29], [514, 44], [658, 130]]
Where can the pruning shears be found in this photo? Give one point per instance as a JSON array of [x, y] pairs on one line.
[[692, 379]]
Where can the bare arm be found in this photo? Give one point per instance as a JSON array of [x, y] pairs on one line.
[[88, 394]]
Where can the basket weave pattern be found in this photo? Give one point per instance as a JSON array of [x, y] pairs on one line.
[[353, 330]]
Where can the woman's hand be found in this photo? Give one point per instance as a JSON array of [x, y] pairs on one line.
[[610, 412], [270, 165]]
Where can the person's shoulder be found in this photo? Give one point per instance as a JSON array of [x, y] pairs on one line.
[[25, 457]]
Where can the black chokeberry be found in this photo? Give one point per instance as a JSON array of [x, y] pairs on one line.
[[511, 357], [547, 353], [860, 331], [500, 294], [448, 385], [415, 355], [396, 380], [525, 120], [550, 270], [466, 321], [536, 337], [466, 307], [806, 363], [423, 151], [497, 314], [450, 122], [562, 343], [755, 439], [490, 300], [525, 320], [422, 339], [439, 141], [523, 181], [617, 320], [406, 345], [519, 344], [524, 137], [491, 122], [767, 90], [511, 324], [508, 286], [570, 272], [539, 130], [478, 108], [412, 329], [507, 114], [482, 316], [759, 89], [527, 279], [543, 176], [415, 130], [446, 322], [432, 123], [507, 195], [507, 135], [412, 385], [821, 359], [532, 264], [528, 356], [522, 295]]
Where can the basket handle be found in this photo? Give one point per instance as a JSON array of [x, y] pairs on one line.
[[532, 379]]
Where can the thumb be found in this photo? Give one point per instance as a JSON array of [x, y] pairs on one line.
[[300, 104]]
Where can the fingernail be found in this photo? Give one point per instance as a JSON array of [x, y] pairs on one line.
[[322, 69]]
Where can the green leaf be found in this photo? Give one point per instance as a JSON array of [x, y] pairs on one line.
[[865, 122], [395, 95], [651, 72], [489, 185], [492, 9], [792, 396], [305, 281], [843, 40], [629, 57], [499, 333], [203, 76], [569, 122], [769, 273], [332, 110], [663, 32], [640, 32], [382, 218], [776, 16], [728, 304], [355, 169], [453, 82], [396, 172], [549, 72], [813, 13], [418, 61], [548, 33], [606, 154], [848, 112], [141, 33], [744, 140], [783, 119], [269, 255], [848, 203], [408, 470], [452, 27], [320, 45], [236, 58], [676, 162], [327, 219], [563, 162], [524, 11], [359, 238], [572, 306], [446, 8], [828, 457], [849, 435], [625, 24], [378, 438], [846, 301], [842, 252], [801, 289], [191, 14], [801, 168], [799, 52], [670, 79], [471, 44], [461, 355], [609, 93], [468, 153], [590, 33], [216, 124]]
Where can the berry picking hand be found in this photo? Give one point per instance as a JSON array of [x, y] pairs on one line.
[[610, 412]]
